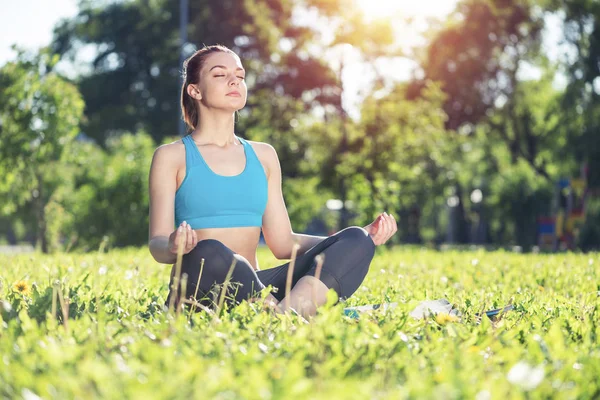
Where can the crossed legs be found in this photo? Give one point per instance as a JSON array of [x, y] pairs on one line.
[[347, 257]]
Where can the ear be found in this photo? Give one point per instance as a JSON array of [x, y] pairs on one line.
[[194, 92]]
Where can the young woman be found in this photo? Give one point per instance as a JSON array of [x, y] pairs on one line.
[[219, 190]]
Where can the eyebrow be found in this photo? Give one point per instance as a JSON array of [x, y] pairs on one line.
[[224, 67]]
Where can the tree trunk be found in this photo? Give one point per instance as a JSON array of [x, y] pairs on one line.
[[40, 212]]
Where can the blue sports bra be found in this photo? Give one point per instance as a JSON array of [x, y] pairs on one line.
[[208, 200]]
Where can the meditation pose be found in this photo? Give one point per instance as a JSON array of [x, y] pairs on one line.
[[212, 192]]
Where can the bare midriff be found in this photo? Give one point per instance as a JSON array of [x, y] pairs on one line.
[[241, 240]]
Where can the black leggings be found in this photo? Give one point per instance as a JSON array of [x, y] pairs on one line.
[[348, 254]]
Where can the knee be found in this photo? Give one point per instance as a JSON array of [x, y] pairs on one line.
[[220, 258], [214, 253], [211, 247], [358, 236]]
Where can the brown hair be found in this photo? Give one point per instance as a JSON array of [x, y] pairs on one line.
[[191, 74]]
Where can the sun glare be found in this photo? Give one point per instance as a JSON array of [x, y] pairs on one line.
[[406, 8]]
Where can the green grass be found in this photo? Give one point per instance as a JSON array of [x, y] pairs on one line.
[[119, 344]]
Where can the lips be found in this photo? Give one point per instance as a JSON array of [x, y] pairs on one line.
[[234, 94]]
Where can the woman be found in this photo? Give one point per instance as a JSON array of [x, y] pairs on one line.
[[219, 190]]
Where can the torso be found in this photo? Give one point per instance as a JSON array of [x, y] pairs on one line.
[[231, 161]]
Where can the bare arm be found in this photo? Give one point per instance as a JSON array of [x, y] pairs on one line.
[[162, 186], [276, 225]]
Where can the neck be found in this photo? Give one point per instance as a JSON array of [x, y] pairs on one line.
[[215, 128]]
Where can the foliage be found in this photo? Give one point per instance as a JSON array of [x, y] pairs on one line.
[[477, 54], [110, 185], [39, 118], [589, 237], [133, 81], [470, 119], [119, 343]]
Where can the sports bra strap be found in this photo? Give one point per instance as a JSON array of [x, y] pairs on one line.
[[191, 152]]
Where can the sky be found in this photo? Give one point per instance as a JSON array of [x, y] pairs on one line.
[[34, 29], [30, 29]]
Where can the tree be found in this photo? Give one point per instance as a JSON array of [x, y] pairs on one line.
[[477, 54], [581, 99], [133, 82], [399, 157], [39, 114]]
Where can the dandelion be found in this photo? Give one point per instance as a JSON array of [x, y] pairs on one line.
[[22, 287], [443, 318], [473, 349]]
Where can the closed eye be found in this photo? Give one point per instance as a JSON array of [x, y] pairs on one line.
[[241, 77]]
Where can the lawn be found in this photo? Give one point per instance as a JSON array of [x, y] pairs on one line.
[[118, 343]]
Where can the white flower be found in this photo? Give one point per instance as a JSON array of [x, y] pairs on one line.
[[483, 395], [526, 376], [29, 395]]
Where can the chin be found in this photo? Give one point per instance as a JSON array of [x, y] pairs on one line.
[[236, 105], [230, 109]]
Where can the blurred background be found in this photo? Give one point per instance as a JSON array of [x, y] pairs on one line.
[[474, 122]]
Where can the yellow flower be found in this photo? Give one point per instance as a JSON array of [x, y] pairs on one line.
[[473, 349], [443, 318], [22, 287]]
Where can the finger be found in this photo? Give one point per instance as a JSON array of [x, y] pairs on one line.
[[395, 224], [182, 238], [179, 235], [381, 232], [189, 238], [377, 224], [194, 237], [184, 230], [390, 225], [177, 238]]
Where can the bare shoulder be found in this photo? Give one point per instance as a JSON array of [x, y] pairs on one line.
[[171, 153], [267, 155]]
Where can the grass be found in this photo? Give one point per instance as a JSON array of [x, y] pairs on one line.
[[118, 343]]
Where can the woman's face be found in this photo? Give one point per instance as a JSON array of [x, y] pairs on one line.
[[222, 82]]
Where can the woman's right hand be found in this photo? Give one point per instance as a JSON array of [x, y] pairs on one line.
[[186, 234]]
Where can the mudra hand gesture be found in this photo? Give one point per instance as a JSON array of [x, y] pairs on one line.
[[183, 233], [382, 228]]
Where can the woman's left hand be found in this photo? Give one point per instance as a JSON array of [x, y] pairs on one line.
[[382, 228]]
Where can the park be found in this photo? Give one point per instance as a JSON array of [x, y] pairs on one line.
[[474, 124]]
